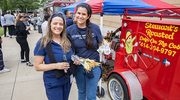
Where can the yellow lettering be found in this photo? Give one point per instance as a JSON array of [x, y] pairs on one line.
[[171, 28], [167, 28], [164, 27], [148, 31], [166, 36], [148, 25], [153, 26], [163, 34], [171, 36], [175, 29], [174, 52], [160, 34], [172, 45], [144, 39], [158, 27], [153, 41], [161, 27]]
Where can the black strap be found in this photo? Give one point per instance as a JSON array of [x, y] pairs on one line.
[[80, 34], [58, 73], [84, 39], [73, 66]]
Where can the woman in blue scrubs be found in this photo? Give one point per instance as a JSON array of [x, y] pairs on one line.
[[86, 37], [56, 88]]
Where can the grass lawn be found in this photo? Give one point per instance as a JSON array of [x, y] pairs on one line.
[[1, 31]]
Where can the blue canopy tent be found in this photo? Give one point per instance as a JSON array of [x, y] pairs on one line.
[[118, 6], [71, 7]]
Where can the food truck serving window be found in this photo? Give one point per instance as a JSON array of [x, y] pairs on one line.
[[59, 4]]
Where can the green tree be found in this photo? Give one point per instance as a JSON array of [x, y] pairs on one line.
[[4, 6], [43, 1], [29, 4], [21, 4], [1, 3]]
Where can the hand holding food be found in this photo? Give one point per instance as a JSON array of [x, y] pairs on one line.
[[89, 64], [76, 62]]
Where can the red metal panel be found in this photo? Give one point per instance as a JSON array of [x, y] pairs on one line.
[[160, 81], [158, 12], [119, 62]]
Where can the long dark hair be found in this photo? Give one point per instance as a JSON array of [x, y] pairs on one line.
[[89, 36]]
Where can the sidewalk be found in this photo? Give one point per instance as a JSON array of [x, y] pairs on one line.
[[24, 82]]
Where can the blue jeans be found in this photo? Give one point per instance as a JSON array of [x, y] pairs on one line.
[[11, 29], [5, 29], [39, 29], [87, 87]]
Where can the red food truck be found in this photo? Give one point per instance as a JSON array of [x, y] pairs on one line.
[[56, 6], [148, 62]]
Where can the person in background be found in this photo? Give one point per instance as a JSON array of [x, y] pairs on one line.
[[21, 31], [86, 37], [34, 20], [4, 24], [44, 24], [39, 23], [3, 69], [56, 88], [26, 22], [9, 20], [69, 16], [29, 19]]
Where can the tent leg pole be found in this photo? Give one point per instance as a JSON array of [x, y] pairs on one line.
[[101, 22], [120, 24], [101, 27]]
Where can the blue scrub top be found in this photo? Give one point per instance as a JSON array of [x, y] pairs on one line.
[[69, 22], [49, 76], [79, 43]]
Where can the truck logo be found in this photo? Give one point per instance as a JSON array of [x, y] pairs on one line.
[[129, 44], [166, 62]]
